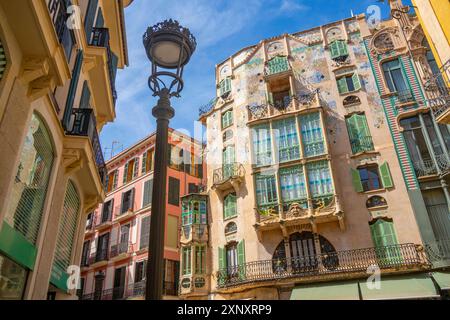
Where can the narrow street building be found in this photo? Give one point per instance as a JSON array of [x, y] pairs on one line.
[[114, 254]]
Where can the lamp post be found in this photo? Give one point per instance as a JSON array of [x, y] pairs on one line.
[[169, 47]]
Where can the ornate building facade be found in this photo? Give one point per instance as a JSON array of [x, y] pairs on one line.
[[58, 63], [114, 255], [307, 188]]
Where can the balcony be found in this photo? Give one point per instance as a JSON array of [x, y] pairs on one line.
[[121, 251], [228, 176], [194, 233], [362, 144], [81, 125], [438, 252], [104, 222], [99, 258], [338, 265], [59, 16], [122, 213], [292, 105], [427, 167], [101, 67], [438, 94], [277, 66], [323, 209]]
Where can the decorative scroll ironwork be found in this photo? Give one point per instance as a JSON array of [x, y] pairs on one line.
[[324, 265], [228, 171], [351, 100], [425, 167], [258, 111], [438, 92], [207, 107]]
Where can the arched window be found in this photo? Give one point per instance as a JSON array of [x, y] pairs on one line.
[[229, 206], [303, 253], [2, 61], [376, 201], [230, 228], [30, 186], [66, 236]]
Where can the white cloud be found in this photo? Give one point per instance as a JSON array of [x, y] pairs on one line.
[[291, 6]]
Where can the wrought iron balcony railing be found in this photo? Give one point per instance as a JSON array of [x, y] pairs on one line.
[[83, 123], [60, 16], [207, 107], [100, 38], [100, 255], [357, 261], [121, 248], [438, 92], [362, 144], [439, 251], [427, 166], [228, 171]]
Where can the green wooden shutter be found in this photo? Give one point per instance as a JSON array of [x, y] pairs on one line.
[[2, 61], [386, 175], [222, 258], [241, 259], [342, 85], [385, 239], [89, 18], [270, 98], [334, 49], [66, 237], [148, 192], [356, 82], [342, 48], [125, 173], [225, 86], [356, 180], [72, 89]]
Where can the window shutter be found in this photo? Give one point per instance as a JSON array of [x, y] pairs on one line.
[[131, 205], [116, 179], [2, 61], [145, 232], [356, 180], [241, 259], [386, 175], [342, 48], [72, 89], [356, 82], [334, 49], [222, 258], [125, 173], [270, 98], [342, 85], [85, 96], [89, 19], [148, 191], [110, 209], [136, 167], [144, 163], [241, 252], [66, 236]]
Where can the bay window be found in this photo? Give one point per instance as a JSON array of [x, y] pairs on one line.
[[262, 145], [266, 191], [286, 138], [293, 187], [312, 137]]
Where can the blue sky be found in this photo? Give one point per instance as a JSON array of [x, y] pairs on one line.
[[222, 27]]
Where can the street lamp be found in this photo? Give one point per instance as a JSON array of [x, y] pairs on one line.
[[169, 47]]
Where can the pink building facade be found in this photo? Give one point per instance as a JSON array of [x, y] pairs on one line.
[[114, 256]]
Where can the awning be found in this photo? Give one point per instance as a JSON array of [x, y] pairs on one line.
[[442, 279], [414, 286], [327, 291]]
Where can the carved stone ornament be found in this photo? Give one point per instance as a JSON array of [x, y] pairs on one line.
[[385, 40]]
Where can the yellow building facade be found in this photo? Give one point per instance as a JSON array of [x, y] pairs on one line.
[[434, 16], [58, 63]]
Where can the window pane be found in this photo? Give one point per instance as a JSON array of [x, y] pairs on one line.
[[12, 279], [311, 129], [285, 132], [262, 147], [292, 184], [30, 186]]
